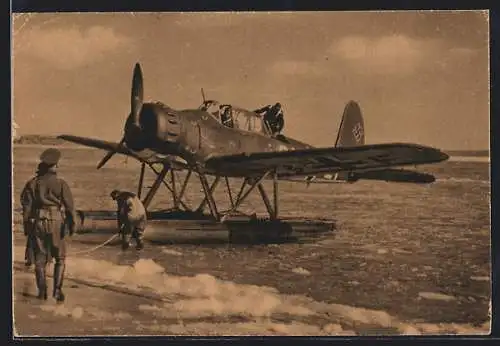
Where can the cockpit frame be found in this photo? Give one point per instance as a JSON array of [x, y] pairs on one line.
[[241, 119]]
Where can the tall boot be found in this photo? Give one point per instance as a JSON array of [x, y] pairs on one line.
[[41, 282], [58, 281], [125, 241], [139, 238], [140, 244]]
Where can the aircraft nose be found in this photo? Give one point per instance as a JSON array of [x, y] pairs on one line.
[[157, 127], [170, 127], [133, 134], [161, 125]]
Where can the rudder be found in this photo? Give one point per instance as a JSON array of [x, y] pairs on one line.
[[351, 132], [352, 128]]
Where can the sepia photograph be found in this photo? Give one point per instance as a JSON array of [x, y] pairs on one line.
[[251, 174]]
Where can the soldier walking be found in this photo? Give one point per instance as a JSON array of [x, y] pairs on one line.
[[132, 219], [50, 204]]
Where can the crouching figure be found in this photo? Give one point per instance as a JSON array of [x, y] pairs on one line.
[[132, 219]]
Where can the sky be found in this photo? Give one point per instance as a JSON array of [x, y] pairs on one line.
[[419, 76]]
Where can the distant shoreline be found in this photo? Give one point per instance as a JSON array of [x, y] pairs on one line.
[[464, 153], [39, 141], [62, 146]]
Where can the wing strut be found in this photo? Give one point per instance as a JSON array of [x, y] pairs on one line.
[[242, 196], [184, 185], [208, 195], [276, 194], [174, 190], [210, 191], [271, 209], [141, 180], [159, 179], [229, 193]]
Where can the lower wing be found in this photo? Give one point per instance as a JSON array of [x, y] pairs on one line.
[[315, 161], [147, 156]]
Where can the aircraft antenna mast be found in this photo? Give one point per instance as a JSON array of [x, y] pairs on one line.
[[203, 95]]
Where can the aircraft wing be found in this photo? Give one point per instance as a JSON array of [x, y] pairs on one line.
[[96, 143], [146, 156], [325, 160]]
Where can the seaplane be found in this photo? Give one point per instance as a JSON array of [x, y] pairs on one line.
[[200, 142]]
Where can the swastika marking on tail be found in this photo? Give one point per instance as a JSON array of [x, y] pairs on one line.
[[357, 131]]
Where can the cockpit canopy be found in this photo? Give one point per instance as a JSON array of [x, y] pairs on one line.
[[210, 106], [236, 117]]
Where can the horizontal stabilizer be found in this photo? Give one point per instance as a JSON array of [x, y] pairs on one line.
[[395, 175], [388, 174]]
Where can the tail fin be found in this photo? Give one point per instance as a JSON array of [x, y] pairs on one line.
[[351, 133], [352, 128]]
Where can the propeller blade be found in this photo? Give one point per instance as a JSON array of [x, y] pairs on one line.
[[105, 159], [137, 94], [108, 156]]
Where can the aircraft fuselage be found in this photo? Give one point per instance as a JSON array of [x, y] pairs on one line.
[[196, 135]]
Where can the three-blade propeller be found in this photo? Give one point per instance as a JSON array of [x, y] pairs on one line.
[[132, 124]]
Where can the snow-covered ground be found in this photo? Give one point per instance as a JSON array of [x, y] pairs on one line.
[[257, 309]]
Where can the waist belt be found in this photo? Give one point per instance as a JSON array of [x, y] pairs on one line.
[[51, 208], [48, 212]]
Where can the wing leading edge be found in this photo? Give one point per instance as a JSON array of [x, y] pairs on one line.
[[146, 156], [96, 143], [325, 160]]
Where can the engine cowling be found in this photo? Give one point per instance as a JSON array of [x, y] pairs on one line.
[[158, 126]]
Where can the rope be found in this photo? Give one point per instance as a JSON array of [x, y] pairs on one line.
[[96, 247]]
